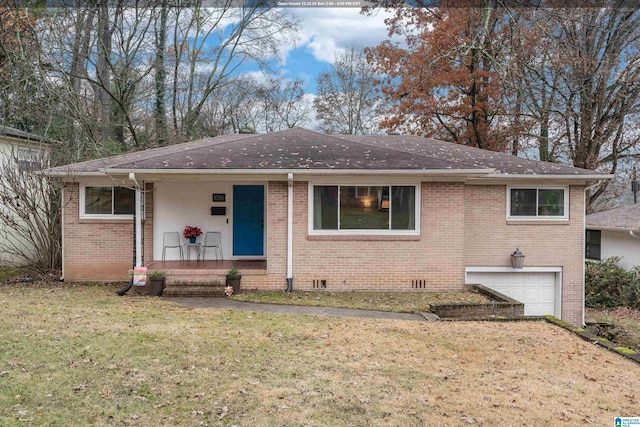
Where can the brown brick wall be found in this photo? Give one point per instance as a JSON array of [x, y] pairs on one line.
[[96, 249], [276, 236], [371, 262], [490, 239], [460, 226]]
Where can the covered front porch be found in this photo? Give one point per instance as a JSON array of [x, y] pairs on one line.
[[207, 278], [230, 212]]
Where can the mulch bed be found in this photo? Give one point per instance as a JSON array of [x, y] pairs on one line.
[[50, 278]]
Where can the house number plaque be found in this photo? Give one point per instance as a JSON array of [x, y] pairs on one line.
[[218, 197]]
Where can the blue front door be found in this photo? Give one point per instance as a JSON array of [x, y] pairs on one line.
[[248, 220]]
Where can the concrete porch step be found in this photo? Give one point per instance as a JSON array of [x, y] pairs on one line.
[[194, 291], [181, 279]]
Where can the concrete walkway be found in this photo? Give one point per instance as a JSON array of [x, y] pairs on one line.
[[225, 303]]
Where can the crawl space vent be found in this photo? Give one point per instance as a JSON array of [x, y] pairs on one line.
[[321, 283], [419, 284]]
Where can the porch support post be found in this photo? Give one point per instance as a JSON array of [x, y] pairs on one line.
[[290, 232], [138, 220]]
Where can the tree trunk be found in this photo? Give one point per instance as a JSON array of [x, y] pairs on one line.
[[103, 72], [160, 77]]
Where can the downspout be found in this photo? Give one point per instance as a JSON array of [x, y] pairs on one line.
[[290, 232], [584, 259], [62, 208], [137, 234], [138, 220]]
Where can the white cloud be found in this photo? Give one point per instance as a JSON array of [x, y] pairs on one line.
[[326, 32]]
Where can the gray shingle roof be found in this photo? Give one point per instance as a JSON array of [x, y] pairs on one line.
[[624, 218], [300, 149], [17, 133]]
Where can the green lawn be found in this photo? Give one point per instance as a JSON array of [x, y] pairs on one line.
[[80, 355], [7, 273]]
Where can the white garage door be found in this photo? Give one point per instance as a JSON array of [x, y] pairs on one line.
[[536, 290]]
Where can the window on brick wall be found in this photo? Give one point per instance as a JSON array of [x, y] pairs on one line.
[[107, 201], [364, 209], [537, 203], [593, 244]]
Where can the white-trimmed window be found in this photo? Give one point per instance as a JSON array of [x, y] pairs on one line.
[[537, 203], [364, 209], [29, 159], [106, 202]]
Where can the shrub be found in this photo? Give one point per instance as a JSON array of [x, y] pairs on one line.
[[607, 285]]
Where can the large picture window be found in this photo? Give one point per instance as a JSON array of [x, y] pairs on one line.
[[108, 201], [538, 203], [359, 208]]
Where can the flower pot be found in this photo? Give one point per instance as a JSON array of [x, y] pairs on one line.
[[234, 281], [192, 239], [155, 286]]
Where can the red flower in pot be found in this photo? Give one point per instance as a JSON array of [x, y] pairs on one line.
[[191, 233]]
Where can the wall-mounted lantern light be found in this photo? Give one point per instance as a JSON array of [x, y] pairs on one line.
[[517, 259]]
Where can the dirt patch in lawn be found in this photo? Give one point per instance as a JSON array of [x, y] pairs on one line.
[[414, 302], [83, 356]]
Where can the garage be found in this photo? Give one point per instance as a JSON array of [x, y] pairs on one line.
[[537, 287]]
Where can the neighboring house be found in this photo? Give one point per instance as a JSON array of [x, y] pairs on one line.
[[614, 232], [337, 212], [22, 150], [28, 149]]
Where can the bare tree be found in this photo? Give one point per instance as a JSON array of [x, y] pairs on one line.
[[579, 77], [29, 215], [208, 47], [229, 109], [282, 104], [160, 110], [347, 100]]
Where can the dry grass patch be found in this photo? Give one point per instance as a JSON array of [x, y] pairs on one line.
[[80, 355], [414, 302]]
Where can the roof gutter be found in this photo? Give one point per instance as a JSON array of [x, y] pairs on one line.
[[551, 176], [482, 172], [71, 174], [600, 227]]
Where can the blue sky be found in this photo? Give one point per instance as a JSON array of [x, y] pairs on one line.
[[325, 32]]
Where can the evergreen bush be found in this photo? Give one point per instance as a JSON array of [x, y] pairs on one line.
[[608, 285]]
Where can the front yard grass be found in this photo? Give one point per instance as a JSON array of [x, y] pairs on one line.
[[80, 355], [413, 302], [7, 273]]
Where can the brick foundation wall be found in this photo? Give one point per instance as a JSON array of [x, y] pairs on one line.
[[98, 249], [490, 239]]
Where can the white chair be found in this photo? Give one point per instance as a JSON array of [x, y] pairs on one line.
[[171, 239], [213, 239]]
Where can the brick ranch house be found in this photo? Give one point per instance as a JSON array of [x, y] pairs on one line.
[[337, 212]]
